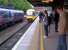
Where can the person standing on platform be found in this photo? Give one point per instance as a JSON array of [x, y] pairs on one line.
[[49, 21], [45, 20], [41, 16], [62, 29], [56, 19]]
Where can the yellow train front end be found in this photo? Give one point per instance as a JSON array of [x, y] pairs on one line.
[[30, 15], [31, 18]]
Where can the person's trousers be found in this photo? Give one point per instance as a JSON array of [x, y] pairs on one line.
[[46, 29], [56, 26], [62, 42]]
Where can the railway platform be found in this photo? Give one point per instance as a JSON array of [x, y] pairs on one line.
[[33, 38]]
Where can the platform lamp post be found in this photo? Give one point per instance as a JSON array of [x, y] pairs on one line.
[[51, 0]]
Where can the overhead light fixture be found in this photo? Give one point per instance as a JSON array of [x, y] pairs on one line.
[[51, 0], [46, 1]]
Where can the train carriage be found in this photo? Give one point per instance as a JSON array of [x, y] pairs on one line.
[[8, 16]]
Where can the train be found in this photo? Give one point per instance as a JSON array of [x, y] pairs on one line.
[[10, 16], [31, 15]]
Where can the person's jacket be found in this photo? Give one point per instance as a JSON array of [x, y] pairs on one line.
[[56, 19], [45, 20], [41, 15], [66, 23], [63, 23]]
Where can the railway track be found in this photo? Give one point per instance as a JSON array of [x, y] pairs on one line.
[[9, 43]]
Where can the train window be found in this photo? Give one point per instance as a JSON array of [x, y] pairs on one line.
[[12, 14], [7, 14], [1, 13], [18, 14]]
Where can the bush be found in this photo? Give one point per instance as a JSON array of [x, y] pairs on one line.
[[21, 4], [17, 4]]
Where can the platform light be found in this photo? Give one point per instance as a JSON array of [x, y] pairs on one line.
[[46, 1], [51, 0]]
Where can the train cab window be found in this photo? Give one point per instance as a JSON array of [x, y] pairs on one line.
[[30, 12]]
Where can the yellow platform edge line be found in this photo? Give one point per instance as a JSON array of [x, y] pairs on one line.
[[41, 37], [35, 37], [34, 45]]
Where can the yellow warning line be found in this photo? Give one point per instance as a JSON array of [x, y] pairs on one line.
[[35, 39], [34, 45], [41, 37]]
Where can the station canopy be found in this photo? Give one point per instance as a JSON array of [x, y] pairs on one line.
[[53, 3]]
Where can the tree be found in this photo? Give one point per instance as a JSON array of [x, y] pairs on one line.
[[21, 4], [17, 4], [3, 2]]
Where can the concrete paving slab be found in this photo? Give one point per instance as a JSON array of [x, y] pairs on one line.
[[51, 43]]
